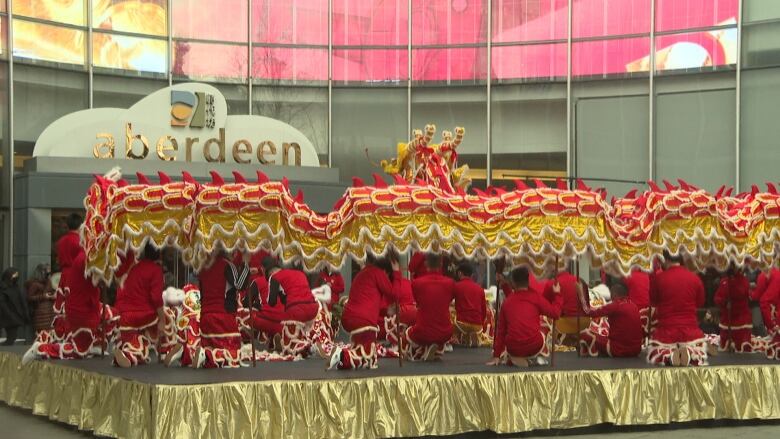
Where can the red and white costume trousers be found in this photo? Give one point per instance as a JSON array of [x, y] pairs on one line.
[[220, 341], [739, 338], [362, 351], [662, 346]]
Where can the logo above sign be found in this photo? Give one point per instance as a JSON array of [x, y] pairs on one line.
[[186, 122]]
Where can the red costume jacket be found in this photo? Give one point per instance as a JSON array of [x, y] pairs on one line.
[[259, 287], [140, 296], [82, 306], [336, 282], [625, 326], [638, 284], [676, 293], [470, 303], [371, 290], [291, 287], [518, 319], [770, 300], [433, 294], [572, 306], [212, 287], [734, 290]]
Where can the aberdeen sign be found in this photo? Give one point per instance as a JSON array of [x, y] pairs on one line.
[[186, 122]]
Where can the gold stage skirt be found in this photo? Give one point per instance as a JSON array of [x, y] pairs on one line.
[[390, 406]]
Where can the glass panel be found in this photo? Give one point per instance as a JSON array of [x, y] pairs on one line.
[[759, 154], [369, 119], [695, 130], [3, 37], [305, 108], [612, 141], [449, 22], [529, 20], [690, 14], [220, 20], [466, 65], [129, 53], [539, 61], [136, 16], [41, 96], [290, 21], [450, 107], [756, 10], [529, 131], [606, 57], [49, 43], [598, 18], [761, 44], [70, 12], [236, 96], [122, 92], [216, 61], [371, 66], [370, 22], [696, 50], [5, 194], [294, 64]]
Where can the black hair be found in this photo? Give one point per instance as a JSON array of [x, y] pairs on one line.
[[618, 289], [433, 261], [270, 263], [675, 259], [520, 277], [151, 253], [466, 269], [74, 221]]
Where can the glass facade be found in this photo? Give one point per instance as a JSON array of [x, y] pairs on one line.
[[614, 91]]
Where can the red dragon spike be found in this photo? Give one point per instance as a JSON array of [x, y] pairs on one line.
[[630, 194], [399, 180], [238, 177], [164, 178], [720, 192], [684, 185], [771, 188], [142, 178], [654, 187], [729, 191], [216, 179], [561, 184], [669, 187], [299, 197], [520, 184], [286, 183], [262, 178], [187, 177], [357, 182], [379, 182], [539, 183], [581, 186]]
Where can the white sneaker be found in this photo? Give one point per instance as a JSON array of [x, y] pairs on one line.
[[540, 361], [447, 347], [31, 354], [173, 357]]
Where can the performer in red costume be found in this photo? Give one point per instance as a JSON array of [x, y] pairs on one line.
[[759, 294], [266, 319], [83, 310], [417, 265], [139, 303], [68, 248], [770, 303], [470, 305], [186, 319], [406, 313], [519, 336], [625, 335], [370, 289], [736, 320], [219, 284], [433, 293], [291, 287], [569, 323], [638, 284], [336, 283], [677, 340]]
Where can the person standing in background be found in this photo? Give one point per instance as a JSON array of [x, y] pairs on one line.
[[13, 305], [40, 295]]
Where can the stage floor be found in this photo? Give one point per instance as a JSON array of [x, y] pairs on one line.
[[456, 395], [459, 361]]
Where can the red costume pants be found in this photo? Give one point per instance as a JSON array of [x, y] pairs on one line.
[[296, 328], [740, 338], [664, 341], [138, 336], [220, 340], [362, 351]]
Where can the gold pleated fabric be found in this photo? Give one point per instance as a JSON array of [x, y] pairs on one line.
[[391, 406], [107, 405]]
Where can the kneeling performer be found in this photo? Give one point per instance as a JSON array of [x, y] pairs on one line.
[[625, 327]]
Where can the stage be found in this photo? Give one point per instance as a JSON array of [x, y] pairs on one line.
[[457, 395]]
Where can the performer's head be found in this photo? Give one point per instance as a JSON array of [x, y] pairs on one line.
[[73, 221], [151, 253], [618, 289], [520, 278], [433, 262], [671, 259], [270, 265], [465, 270]]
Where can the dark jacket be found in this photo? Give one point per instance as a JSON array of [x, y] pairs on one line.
[[43, 306], [13, 304]]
